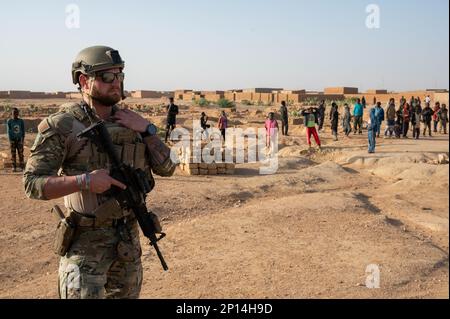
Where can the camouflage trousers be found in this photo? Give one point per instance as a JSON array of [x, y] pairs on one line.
[[102, 263], [17, 145]]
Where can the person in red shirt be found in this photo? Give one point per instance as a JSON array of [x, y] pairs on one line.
[[436, 109], [223, 124]]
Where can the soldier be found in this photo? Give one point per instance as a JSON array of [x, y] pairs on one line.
[[15, 128], [103, 258]]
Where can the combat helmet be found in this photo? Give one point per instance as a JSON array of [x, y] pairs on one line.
[[94, 59]]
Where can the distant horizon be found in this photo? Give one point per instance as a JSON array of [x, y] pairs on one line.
[[284, 89]]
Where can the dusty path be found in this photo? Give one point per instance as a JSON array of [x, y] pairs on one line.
[[307, 232]]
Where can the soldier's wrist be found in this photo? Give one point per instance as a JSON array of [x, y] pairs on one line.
[[88, 181], [83, 182], [79, 179]]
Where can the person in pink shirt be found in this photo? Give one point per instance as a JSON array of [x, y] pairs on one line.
[[271, 126]]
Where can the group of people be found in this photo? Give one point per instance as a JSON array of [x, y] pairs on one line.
[[398, 121], [412, 115]]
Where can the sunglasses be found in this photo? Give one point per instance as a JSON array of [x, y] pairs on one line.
[[108, 77]]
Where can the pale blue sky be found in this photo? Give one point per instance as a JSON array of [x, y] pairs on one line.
[[220, 44]]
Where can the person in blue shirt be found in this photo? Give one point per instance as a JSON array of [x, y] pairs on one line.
[[15, 129], [372, 129], [357, 115], [379, 114]]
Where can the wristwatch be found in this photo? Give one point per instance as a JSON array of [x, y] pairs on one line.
[[150, 131]]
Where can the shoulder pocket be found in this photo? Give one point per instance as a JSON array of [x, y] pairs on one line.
[[41, 138]]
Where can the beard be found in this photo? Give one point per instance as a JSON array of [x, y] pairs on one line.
[[109, 99]]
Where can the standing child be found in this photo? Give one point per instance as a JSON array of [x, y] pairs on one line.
[[223, 124], [443, 118], [15, 129], [372, 128], [346, 120], [398, 123], [390, 115], [334, 117], [310, 120], [204, 125], [271, 126], [415, 120]]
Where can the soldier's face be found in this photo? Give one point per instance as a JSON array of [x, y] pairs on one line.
[[107, 94]]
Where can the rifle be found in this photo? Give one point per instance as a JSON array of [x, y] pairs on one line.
[[133, 197]]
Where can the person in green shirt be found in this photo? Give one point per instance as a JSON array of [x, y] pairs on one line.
[[15, 128], [311, 119]]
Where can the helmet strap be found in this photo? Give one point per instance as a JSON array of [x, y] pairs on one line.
[[122, 91]]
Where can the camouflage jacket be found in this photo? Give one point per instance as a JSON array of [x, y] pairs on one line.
[[57, 152]]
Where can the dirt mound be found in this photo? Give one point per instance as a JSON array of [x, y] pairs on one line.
[[295, 163], [293, 151], [389, 159], [327, 172]]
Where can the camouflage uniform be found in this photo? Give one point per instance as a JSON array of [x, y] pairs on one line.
[[104, 258]]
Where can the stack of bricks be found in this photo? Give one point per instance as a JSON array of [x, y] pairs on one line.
[[215, 168], [208, 169]]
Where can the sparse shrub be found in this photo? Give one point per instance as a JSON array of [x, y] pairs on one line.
[[295, 114], [224, 103], [146, 108], [246, 102], [202, 102]]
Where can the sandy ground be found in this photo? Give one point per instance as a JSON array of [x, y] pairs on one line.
[[309, 231]]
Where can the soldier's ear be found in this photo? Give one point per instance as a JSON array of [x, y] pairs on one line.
[[84, 82]]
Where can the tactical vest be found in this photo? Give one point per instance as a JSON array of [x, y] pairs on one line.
[[83, 156]]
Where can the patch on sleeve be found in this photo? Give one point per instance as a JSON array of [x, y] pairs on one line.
[[43, 126]]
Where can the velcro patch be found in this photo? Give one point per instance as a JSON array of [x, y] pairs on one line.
[[43, 126]]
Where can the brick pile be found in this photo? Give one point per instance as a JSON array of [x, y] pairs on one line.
[[188, 166]]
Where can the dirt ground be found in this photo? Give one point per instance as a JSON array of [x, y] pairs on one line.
[[308, 231]]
